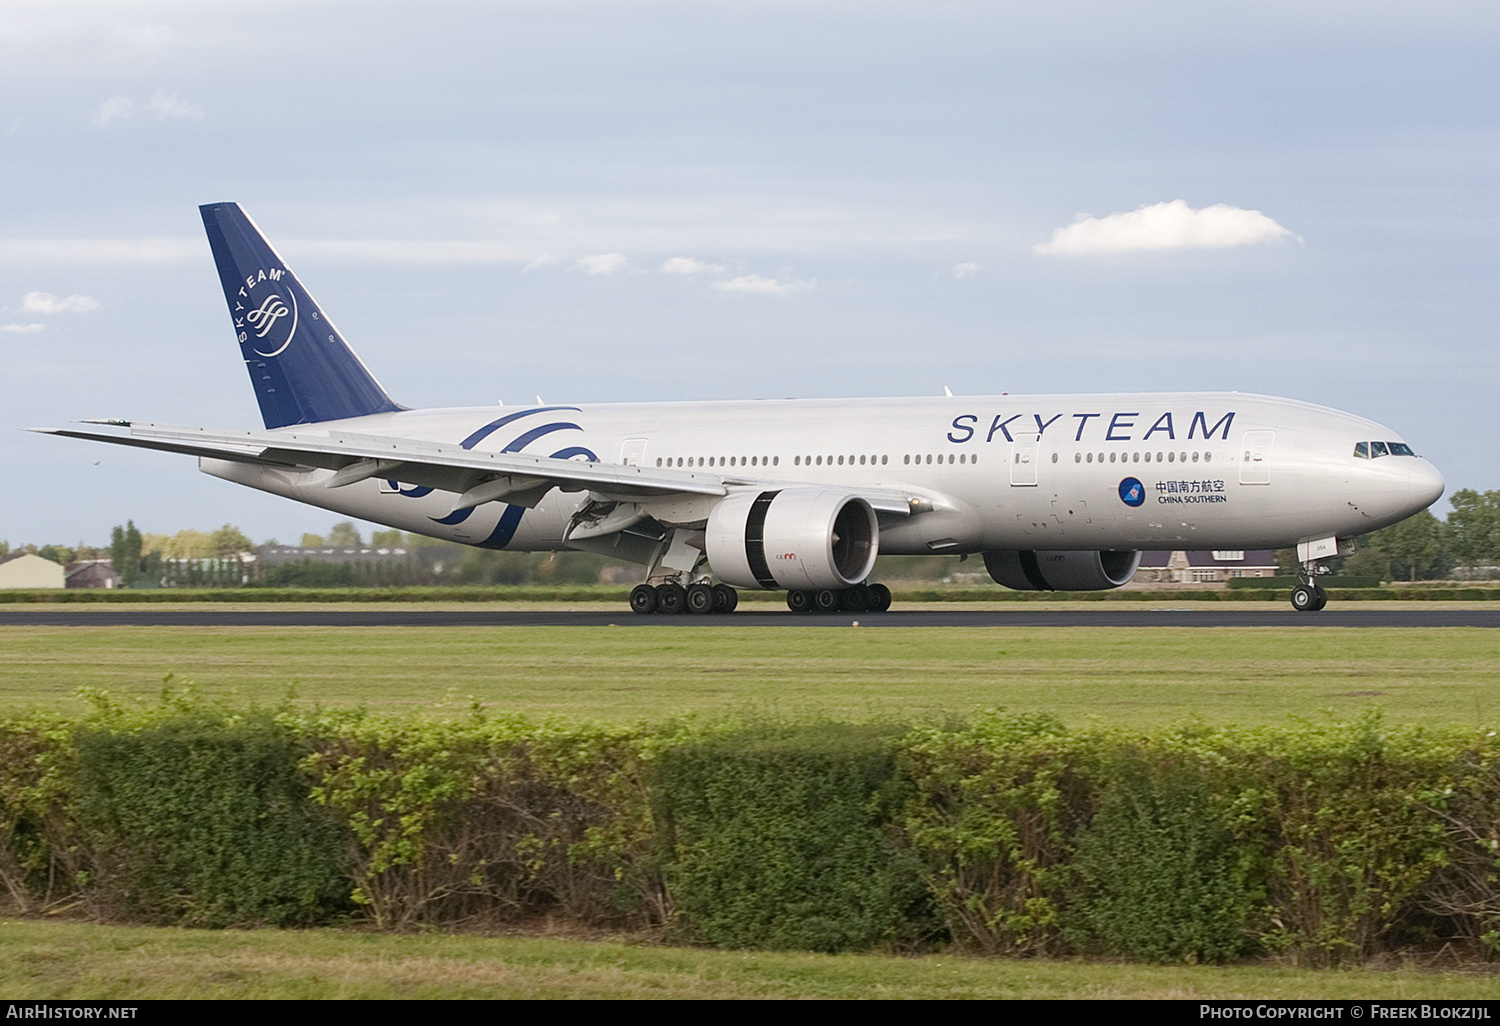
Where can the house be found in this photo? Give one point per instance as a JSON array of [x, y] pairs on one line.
[[92, 573], [28, 570], [1160, 566]]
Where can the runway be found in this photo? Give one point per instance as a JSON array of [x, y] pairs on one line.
[[1175, 616]]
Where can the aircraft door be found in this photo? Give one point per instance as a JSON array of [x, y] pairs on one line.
[[1023, 457], [633, 452], [1255, 457]]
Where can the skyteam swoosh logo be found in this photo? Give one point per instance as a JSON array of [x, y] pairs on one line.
[[271, 324], [1132, 492], [510, 518]]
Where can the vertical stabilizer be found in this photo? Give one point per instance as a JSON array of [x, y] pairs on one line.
[[302, 370]]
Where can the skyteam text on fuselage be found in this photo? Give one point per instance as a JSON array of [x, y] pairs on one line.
[[1055, 491]]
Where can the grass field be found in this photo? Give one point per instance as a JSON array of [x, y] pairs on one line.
[[1101, 675], [1114, 676], [76, 960]]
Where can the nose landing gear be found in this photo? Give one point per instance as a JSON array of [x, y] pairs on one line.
[[1308, 596]]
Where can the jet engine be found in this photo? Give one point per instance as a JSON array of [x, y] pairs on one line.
[[794, 538], [1027, 570]]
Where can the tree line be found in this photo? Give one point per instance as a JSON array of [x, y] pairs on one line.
[[1465, 545], [1423, 548]]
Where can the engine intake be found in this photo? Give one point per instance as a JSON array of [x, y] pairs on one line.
[[1027, 570], [794, 538]]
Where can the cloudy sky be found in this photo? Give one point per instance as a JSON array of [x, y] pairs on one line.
[[637, 201]]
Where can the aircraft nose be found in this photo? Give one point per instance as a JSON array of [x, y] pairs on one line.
[[1424, 484]]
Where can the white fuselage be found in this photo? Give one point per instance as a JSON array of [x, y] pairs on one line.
[[1215, 470]]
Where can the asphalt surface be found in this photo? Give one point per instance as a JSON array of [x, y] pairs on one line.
[[1174, 616]]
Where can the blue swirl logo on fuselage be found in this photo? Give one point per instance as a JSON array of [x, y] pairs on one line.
[[1132, 492], [510, 519]]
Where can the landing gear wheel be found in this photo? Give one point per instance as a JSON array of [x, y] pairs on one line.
[[1305, 598], [855, 599], [643, 599], [799, 601], [725, 598], [825, 600], [700, 599], [1321, 595], [670, 598], [880, 598]]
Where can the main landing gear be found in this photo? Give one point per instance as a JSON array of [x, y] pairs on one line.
[[701, 598], [873, 598]]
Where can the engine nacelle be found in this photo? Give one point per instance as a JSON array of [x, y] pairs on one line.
[[1026, 570], [794, 538]]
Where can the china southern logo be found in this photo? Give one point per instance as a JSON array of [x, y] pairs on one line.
[[1132, 492]]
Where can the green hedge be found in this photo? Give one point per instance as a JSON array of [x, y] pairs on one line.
[[1253, 590], [1000, 834]]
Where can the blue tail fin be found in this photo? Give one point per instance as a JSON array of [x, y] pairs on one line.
[[302, 370]]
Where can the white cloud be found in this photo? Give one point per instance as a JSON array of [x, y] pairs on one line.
[[964, 270], [602, 263], [169, 105], [407, 251], [47, 303], [1173, 225], [116, 108], [163, 104], [112, 251], [688, 265], [545, 260], [22, 329], [755, 283]]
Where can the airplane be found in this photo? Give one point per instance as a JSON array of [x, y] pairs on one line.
[[1055, 492]]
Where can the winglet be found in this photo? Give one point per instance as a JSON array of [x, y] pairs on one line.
[[302, 369]]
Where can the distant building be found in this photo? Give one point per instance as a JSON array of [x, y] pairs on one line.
[[92, 573], [28, 570], [1160, 566]]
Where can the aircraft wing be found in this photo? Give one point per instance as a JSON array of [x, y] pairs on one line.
[[473, 476]]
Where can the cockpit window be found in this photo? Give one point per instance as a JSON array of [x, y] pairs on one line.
[[1401, 449], [1362, 450], [1378, 449]]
